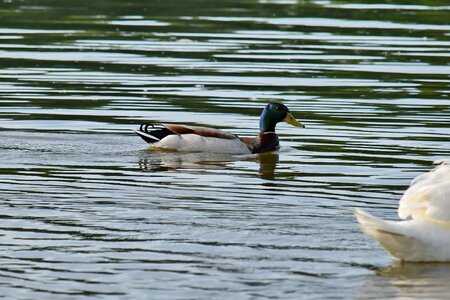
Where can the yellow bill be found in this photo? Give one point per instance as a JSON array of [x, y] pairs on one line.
[[291, 120]]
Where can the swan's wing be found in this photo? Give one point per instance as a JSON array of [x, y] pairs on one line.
[[428, 197]]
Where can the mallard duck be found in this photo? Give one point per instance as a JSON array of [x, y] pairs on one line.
[[203, 139], [425, 237]]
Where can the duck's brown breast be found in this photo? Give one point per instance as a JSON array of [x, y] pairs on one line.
[[264, 142]]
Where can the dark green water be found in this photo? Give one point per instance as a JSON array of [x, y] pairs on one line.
[[87, 211]]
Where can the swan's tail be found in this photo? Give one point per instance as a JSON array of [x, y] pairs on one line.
[[389, 235]]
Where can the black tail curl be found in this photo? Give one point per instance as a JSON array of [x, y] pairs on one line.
[[152, 133]]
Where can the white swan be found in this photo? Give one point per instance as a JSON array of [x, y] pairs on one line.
[[425, 236]]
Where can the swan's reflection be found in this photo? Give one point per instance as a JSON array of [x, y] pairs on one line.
[[409, 281], [172, 161]]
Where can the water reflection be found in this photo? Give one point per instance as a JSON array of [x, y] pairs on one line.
[[267, 164], [409, 281], [157, 161]]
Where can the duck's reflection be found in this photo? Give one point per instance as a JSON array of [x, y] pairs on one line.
[[410, 281], [267, 164], [173, 161]]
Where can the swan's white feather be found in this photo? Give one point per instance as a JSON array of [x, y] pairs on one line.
[[410, 240], [428, 197], [425, 237], [197, 143]]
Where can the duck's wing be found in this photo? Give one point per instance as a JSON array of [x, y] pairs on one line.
[[202, 131], [152, 133], [428, 197]]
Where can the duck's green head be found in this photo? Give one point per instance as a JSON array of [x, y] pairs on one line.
[[274, 113]]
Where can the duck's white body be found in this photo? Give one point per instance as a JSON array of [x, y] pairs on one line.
[[425, 237], [198, 143]]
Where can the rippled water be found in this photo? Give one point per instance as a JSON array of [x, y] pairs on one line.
[[86, 210]]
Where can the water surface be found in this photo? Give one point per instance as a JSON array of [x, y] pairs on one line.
[[88, 211]]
